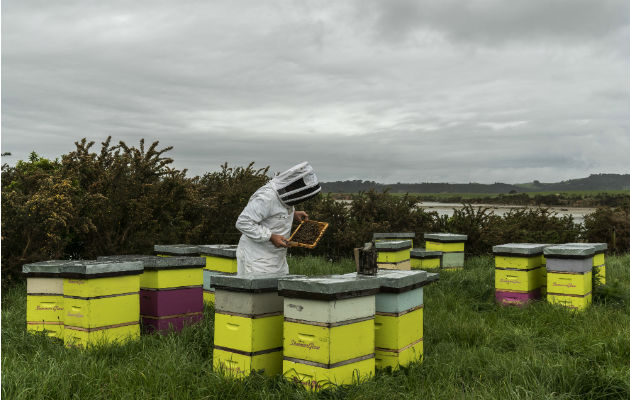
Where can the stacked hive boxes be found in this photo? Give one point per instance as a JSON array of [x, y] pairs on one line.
[[424, 259], [328, 329], [380, 237], [101, 302], [518, 272], [394, 254], [248, 324], [599, 261], [398, 320], [220, 260], [44, 297], [170, 291], [569, 275], [451, 246]]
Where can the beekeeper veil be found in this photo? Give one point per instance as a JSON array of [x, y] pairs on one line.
[[297, 184]]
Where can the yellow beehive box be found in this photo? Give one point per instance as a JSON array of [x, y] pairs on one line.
[[169, 278], [396, 332], [573, 302], [100, 312], [507, 262], [444, 247], [220, 257], [101, 286], [424, 259], [569, 283], [393, 251], [45, 312], [81, 337], [316, 377], [516, 280], [240, 365], [329, 344], [599, 275], [394, 359], [248, 334]]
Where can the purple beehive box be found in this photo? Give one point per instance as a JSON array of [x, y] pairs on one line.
[[159, 303], [176, 323], [507, 298]]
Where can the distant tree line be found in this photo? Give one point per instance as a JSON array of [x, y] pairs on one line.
[[122, 199]]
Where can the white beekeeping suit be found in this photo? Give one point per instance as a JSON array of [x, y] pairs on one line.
[[270, 210]]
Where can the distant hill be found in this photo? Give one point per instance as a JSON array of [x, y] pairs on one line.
[[593, 182]]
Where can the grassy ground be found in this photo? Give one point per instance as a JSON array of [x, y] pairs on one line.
[[473, 349]]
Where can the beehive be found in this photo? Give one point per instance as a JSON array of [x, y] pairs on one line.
[[518, 273], [208, 290], [248, 324], [328, 329], [44, 297], [394, 254], [569, 275], [424, 259], [599, 261], [101, 302], [171, 293], [399, 318], [220, 257], [451, 245], [379, 237]]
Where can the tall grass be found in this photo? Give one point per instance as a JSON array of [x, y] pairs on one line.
[[473, 349]]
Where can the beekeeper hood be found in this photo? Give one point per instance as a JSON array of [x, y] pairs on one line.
[[297, 184]]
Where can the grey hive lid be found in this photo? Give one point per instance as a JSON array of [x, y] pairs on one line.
[[330, 285], [250, 283], [221, 250], [566, 251], [393, 245], [526, 249], [423, 253], [598, 246], [50, 267], [445, 237], [156, 263], [393, 279], [398, 235], [179, 249], [85, 269]]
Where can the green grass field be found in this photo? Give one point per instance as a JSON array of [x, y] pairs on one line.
[[474, 349]]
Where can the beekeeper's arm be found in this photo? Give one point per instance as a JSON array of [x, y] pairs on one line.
[[249, 222]]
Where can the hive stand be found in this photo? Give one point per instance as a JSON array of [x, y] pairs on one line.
[[329, 329], [518, 273], [570, 275], [44, 297], [424, 259], [170, 291], [394, 254], [101, 302], [248, 324], [451, 245]]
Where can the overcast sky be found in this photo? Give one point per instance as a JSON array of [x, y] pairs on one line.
[[392, 91]]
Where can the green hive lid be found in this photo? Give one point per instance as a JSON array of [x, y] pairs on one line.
[[399, 235], [179, 249], [525, 249], [445, 237], [566, 251], [50, 267], [221, 250], [329, 287], [393, 279], [393, 245], [433, 277], [151, 263], [423, 253], [598, 246], [256, 282]]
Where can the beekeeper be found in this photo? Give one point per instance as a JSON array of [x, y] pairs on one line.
[[265, 223]]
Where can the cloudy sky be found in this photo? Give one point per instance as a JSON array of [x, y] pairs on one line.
[[392, 91]]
